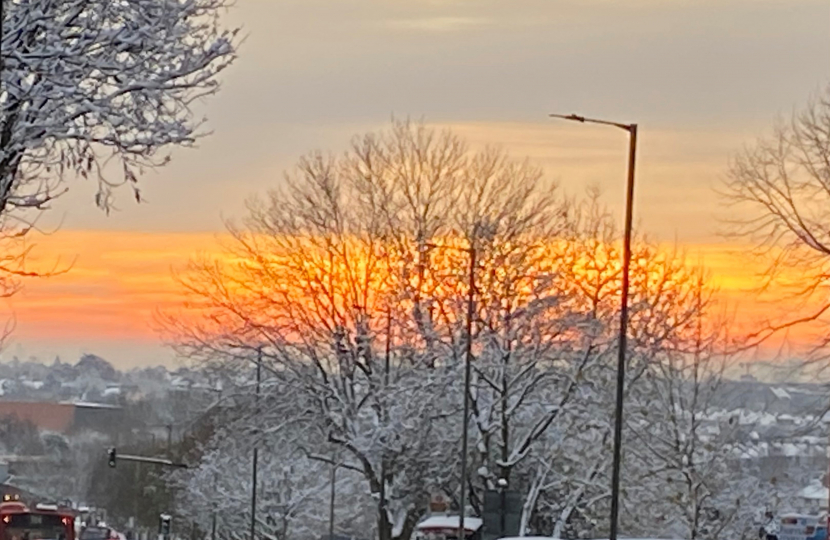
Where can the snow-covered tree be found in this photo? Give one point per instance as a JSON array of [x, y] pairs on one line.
[[346, 278], [539, 349], [19, 437], [353, 283], [567, 478], [291, 496], [97, 89], [684, 444], [779, 188]]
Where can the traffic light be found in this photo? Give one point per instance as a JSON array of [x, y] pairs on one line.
[[164, 525], [111, 455]]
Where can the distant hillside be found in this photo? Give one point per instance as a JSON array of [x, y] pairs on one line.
[[775, 398], [90, 379]]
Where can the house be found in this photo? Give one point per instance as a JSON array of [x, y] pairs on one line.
[[45, 416]]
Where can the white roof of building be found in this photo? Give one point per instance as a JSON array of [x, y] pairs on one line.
[[528, 538], [816, 492], [780, 393], [551, 538], [450, 522], [89, 405]]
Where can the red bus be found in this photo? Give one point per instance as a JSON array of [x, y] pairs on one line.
[[18, 522]]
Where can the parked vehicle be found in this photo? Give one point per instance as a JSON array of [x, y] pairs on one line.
[[446, 528], [803, 527], [46, 522]]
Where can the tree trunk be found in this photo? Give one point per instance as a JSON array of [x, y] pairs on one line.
[[411, 520], [384, 525], [530, 502]]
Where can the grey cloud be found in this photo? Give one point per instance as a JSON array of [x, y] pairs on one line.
[[310, 65]]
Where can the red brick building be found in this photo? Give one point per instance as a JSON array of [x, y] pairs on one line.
[[63, 417]]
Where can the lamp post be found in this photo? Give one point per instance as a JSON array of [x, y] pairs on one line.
[[256, 449], [332, 499], [468, 356], [385, 533], [629, 211]]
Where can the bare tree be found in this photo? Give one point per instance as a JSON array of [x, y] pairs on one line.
[[346, 278], [567, 473], [95, 89], [780, 187], [353, 282], [686, 444], [292, 490]]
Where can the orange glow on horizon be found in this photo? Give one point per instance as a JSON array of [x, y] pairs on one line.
[[115, 282], [119, 280]]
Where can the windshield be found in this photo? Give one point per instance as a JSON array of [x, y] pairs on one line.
[[94, 533], [34, 527]]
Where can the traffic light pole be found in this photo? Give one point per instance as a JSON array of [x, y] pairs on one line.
[[256, 449], [164, 526], [114, 457]]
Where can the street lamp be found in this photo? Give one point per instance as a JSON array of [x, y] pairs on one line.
[[468, 356], [256, 448], [629, 211]]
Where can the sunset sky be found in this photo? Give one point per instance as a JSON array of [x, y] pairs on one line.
[[700, 77]]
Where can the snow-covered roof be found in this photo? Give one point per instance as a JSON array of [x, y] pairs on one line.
[[450, 522], [780, 393], [180, 382], [815, 492], [528, 538], [790, 450], [90, 405]]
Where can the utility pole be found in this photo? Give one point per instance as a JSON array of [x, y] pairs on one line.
[[332, 498], [114, 458], [136, 508], [468, 360], [468, 357], [256, 449], [385, 534], [213, 516], [503, 505], [2, 19], [388, 351]]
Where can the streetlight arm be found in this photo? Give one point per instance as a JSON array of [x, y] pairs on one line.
[[430, 245], [583, 120]]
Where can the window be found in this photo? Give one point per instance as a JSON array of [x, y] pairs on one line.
[[35, 527]]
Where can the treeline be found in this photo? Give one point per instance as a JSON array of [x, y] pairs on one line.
[[351, 287]]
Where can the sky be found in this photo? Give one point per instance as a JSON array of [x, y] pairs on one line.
[[701, 78]]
